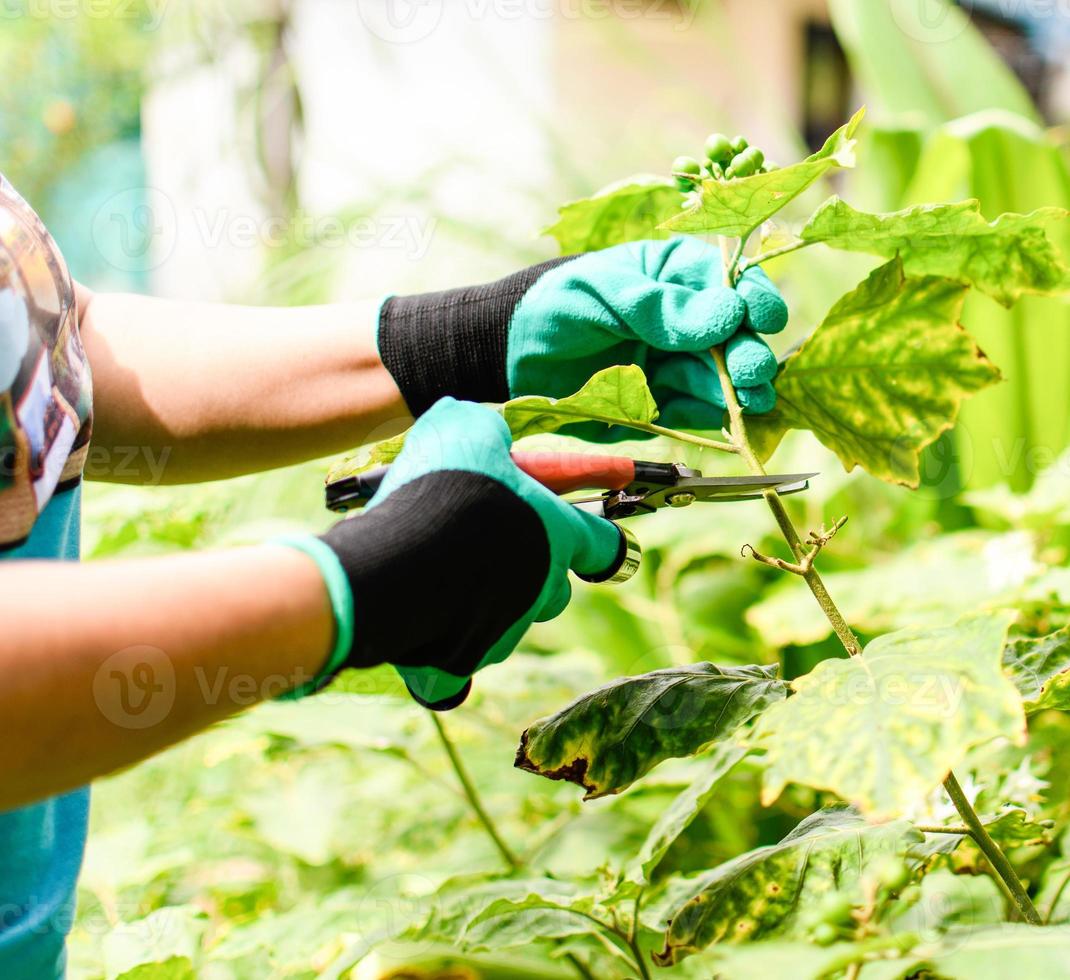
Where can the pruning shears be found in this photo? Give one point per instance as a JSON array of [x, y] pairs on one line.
[[628, 487]]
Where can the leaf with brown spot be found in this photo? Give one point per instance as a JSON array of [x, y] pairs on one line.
[[609, 738]]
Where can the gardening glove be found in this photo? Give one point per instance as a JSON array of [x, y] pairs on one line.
[[546, 330], [456, 555]]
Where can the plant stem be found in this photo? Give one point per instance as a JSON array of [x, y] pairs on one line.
[[473, 797], [1003, 868], [926, 829], [772, 254], [991, 850], [1055, 900]]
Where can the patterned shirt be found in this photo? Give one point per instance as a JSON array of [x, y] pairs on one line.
[[45, 425]]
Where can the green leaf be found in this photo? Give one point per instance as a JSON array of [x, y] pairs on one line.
[[167, 941], [507, 923], [370, 457], [798, 960], [882, 376], [884, 728], [1014, 827], [924, 60], [1010, 949], [625, 211], [737, 207], [609, 738], [1040, 669], [616, 396], [764, 892], [1005, 258], [677, 816]]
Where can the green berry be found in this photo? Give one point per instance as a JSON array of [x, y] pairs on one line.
[[719, 148], [825, 935], [891, 873], [739, 144], [835, 909], [742, 165], [729, 173], [686, 165], [756, 155], [684, 185]]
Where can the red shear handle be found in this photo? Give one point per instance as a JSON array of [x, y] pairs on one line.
[[565, 472]]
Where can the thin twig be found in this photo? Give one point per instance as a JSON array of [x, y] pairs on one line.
[[1055, 901], [772, 254], [816, 540], [952, 829], [472, 795]]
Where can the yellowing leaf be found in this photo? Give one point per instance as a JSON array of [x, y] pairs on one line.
[[609, 738], [762, 893], [378, 454], [737, 207], [614, 396], [1004, 258], [884, 728], [626, 211], [882, 376]]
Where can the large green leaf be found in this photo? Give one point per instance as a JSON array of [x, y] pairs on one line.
[[1010, 949], [1005, 258], [884, 728], [762, 893], [924, 60], [616, 396], [166, 943], [677, 816], [626, 211], [882, 376], [508, 923], [737, 207], [609, 738], [1040, 669]]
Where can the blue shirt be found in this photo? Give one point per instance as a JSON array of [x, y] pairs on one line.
[[45, 425]]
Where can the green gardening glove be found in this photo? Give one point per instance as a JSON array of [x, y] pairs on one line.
[[546, 330], [456, 555]]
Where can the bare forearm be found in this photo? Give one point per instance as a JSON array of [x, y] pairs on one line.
[[144, 654], [186, 392]]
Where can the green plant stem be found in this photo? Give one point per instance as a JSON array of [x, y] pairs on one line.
[[926, 829], [772, 254], [1055, 900], [514, 863], [472, 795], [991, 850]]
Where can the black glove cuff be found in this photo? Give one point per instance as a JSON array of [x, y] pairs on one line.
[[453, 342], [440, 570]]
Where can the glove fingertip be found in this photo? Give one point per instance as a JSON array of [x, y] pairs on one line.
[[758, 399], [750, 361]]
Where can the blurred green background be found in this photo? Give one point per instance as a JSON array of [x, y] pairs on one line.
[[299, 152]]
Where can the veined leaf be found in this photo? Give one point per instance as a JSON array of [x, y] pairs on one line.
[[378, 454], [737, 207], [508, 923], [1040, 669], [626, 211], [798, 960], [883, 728], [677, 816], [882, 376], [1013, 827], [615, 396], [761, 893], [1005, 258], [607, 739]]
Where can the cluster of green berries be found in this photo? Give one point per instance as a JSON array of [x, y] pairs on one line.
[[836, 917], [725, 159]]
